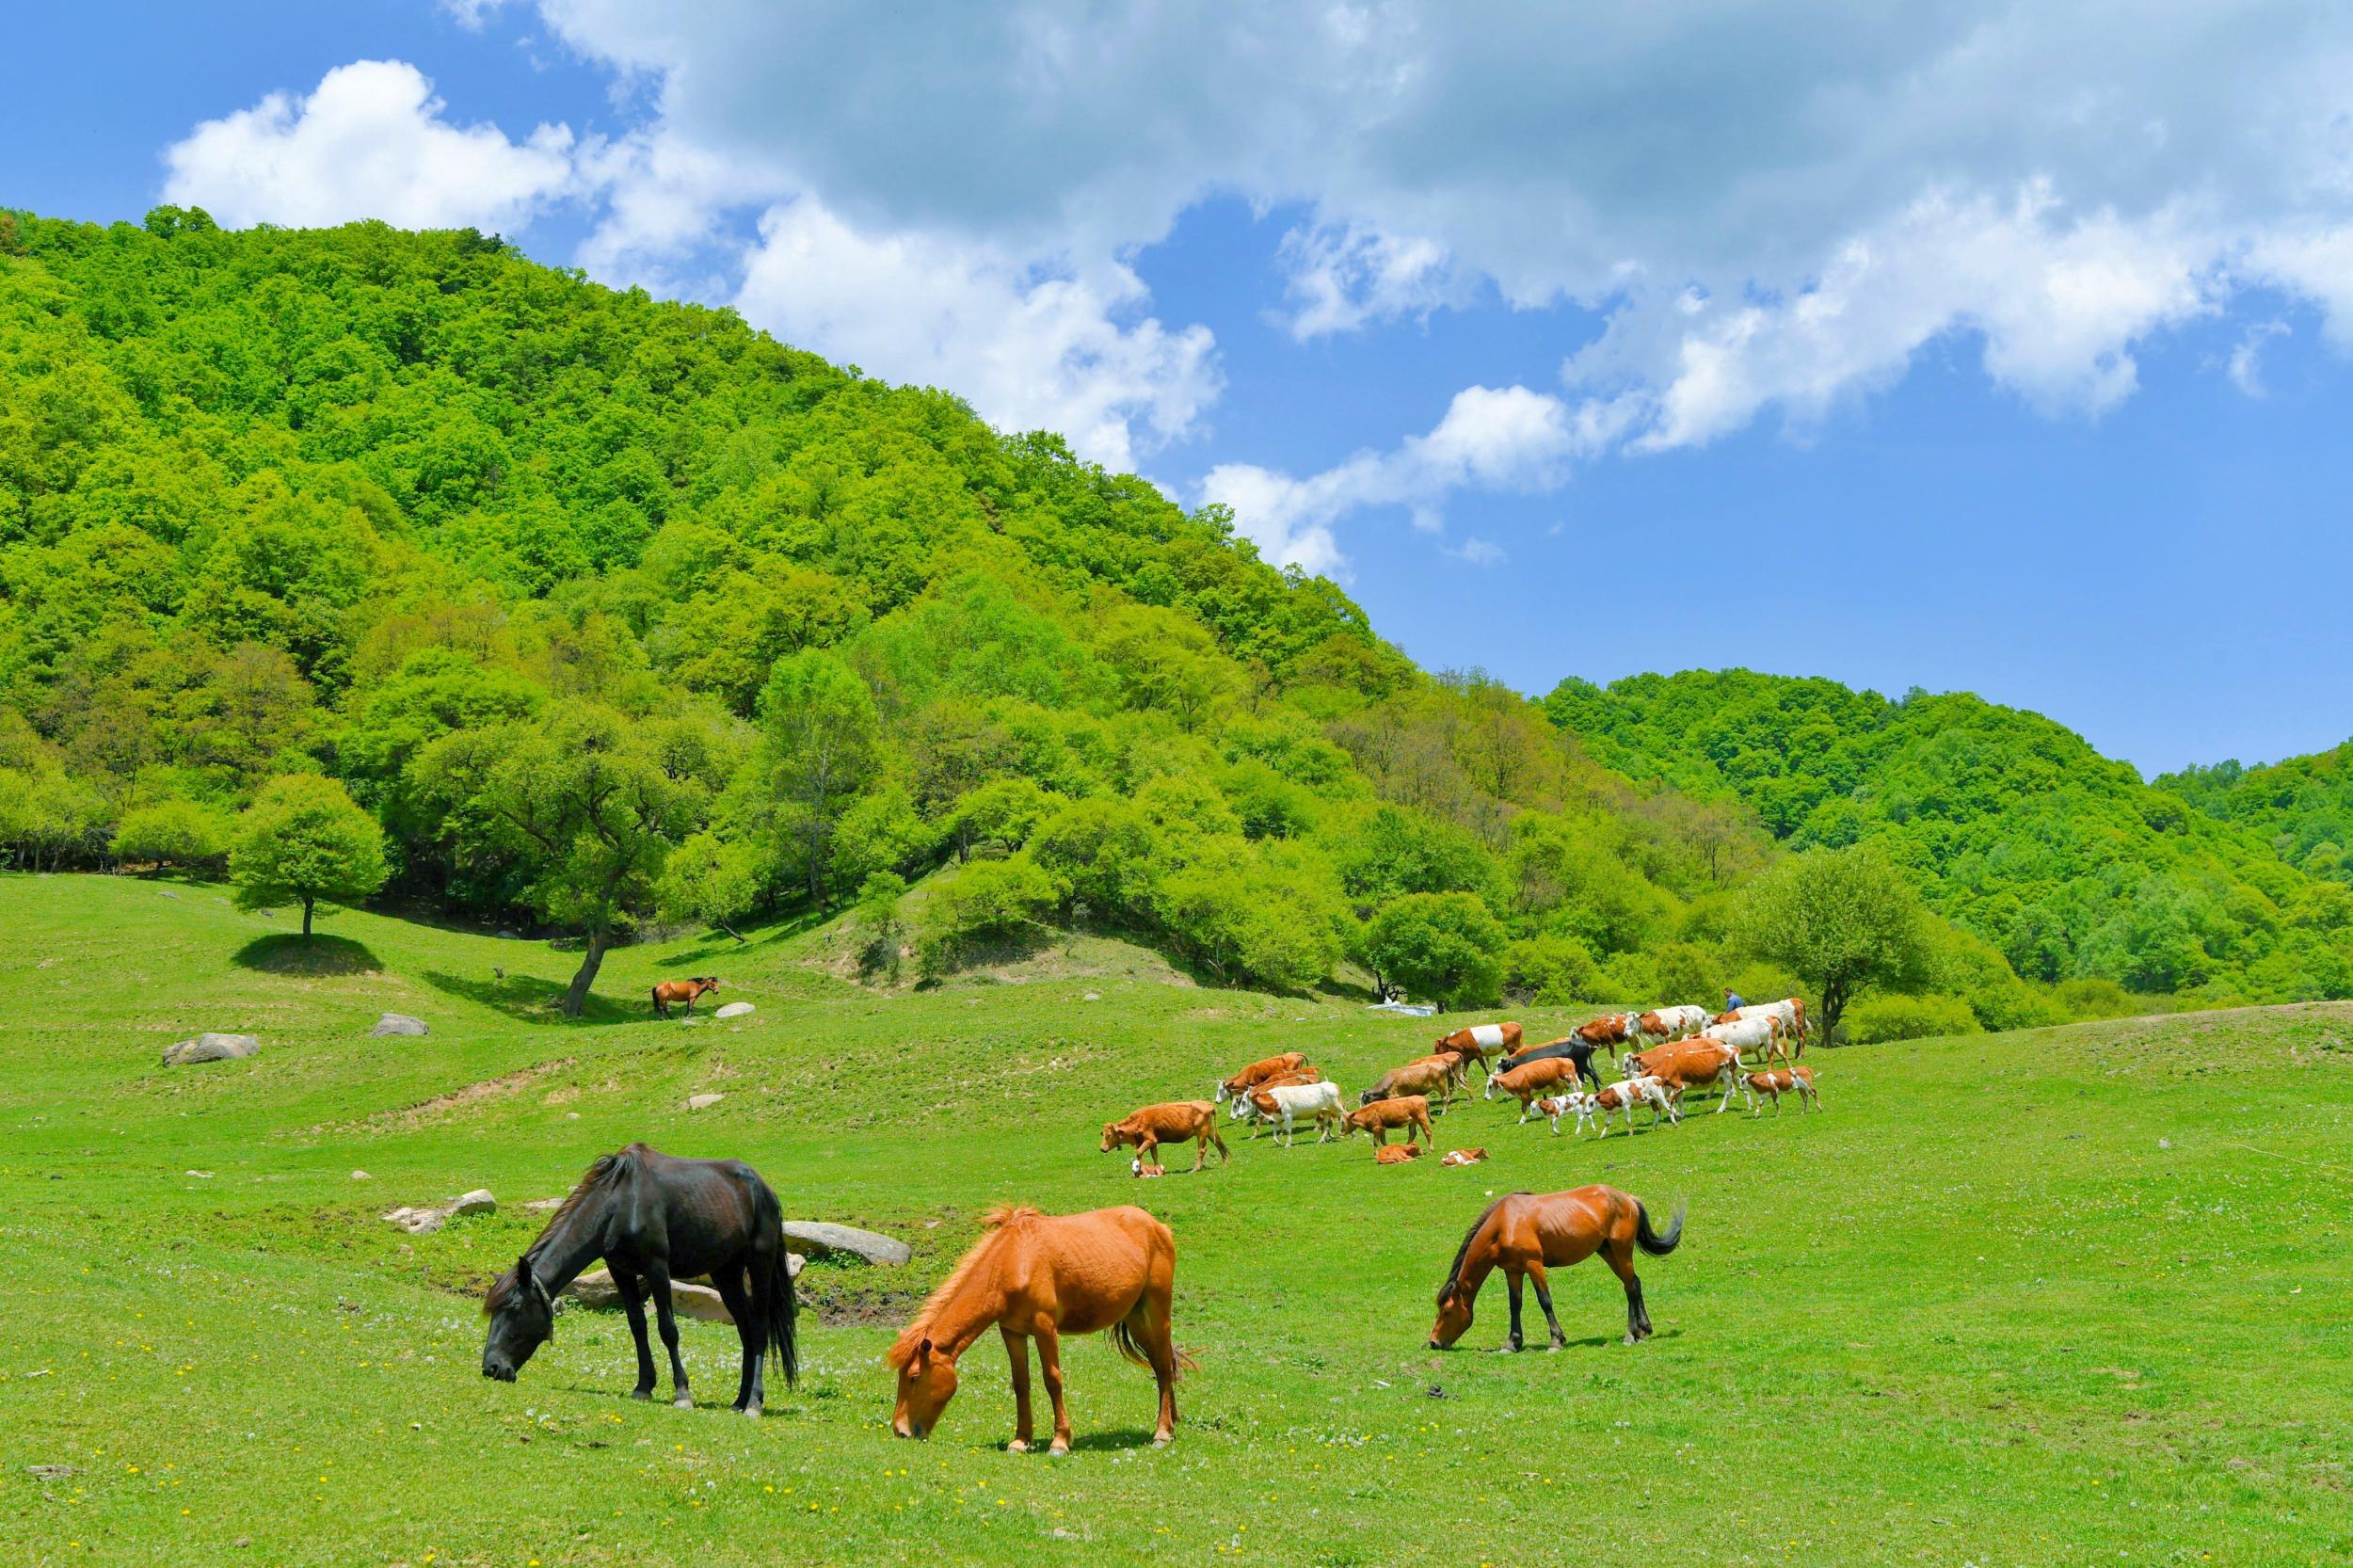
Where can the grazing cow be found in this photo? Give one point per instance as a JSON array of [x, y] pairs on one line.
[[1773, 1085], [1240, 1111], [1463, 1156], [1762, 1035], [1693, 1063], [1292, 1103], [1430, 1074], [1662, 1024], [1789, 1010], [1170, 1123], [1612, 1030], [1538, 1077], [1259, 1072], [1409, 1111], [1568, 1046], [1395, 1154], [681, 991], [1481, 1041]]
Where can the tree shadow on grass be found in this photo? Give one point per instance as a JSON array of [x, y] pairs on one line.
[[291, 952], [528, 998]]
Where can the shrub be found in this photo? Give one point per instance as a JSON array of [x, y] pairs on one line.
[[175, 833], [1437, 947], [1876, 1020], [1552, 970], [993, 902]]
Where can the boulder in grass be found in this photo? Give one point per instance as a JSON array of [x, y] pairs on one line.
[[703, 1102], [477, 1202], [209, 1047], [424, 1221], [733, 1009], [821, 1236], [689, 1298], [399, 1023]]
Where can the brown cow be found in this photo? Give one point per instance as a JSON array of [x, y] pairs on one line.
[[1259, 1072], [1395, 1154], [1173, 1123], [1532, 1080], [1419, 1077], [1481, 1041], [1612, 1030], [1690, 1063], [1379, 1118], [1774, 1084]]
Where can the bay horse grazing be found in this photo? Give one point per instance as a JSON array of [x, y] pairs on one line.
[[1171, 1122], [1258, 1073], [653, 1219], [1037, 1277], [683, 991], [1481, 1041], [1526, 1233]]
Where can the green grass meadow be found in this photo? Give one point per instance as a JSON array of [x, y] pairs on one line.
[[2069, 1296]]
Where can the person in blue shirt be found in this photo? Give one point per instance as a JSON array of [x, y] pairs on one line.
[[1732, 1001]]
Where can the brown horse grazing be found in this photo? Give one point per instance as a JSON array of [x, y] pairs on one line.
[[1526, 1233], [1255, 1074], [1040, 1277], [1382, 1117], [683, 991], [1170, 1123]]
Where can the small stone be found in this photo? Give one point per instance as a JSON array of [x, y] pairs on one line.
[[399, 1023], [703, 1102], [200, 1175], [417, 1222], [210, 1047], [544, 1205], [477, 1202], [572, 1116], [49, 1472], [734, 1010], [1094, 996], [361, 1176], [167, 893]]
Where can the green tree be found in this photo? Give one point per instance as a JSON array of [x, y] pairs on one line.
[[712, 880], [1844, 920], [1436, 947], [882, 932], [304, 839], [172, 833], [824, 746]]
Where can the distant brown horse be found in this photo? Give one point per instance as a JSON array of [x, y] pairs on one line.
[[1042, 1276], [1171, 1122], [1526, 1233], [683, 991]]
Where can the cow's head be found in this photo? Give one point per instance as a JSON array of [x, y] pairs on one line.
[[1113, 1135]]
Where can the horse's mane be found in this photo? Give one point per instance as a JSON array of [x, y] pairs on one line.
[[607, 1168], [997, 1221], [1454, 1273]]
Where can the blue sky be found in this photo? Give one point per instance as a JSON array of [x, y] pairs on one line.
[[1987, 347]]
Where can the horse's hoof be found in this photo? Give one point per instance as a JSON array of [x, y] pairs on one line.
[[1632, 1340], [1164, 1439], [1060, 1450], [752, 1411], [1017, 1447], [682, 1402], [641, 1393]]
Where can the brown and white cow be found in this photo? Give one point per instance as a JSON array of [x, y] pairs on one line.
[[1427, 1074], [1662, 1024], [1481, 1041], [1382, 1117], [1531, 1080], [1791, 1010], [1763, 1034], [1240, 1108], [1612, 1030], [1693, 1063], [1172, 1122], [1773, 1085], [1259, 1072]]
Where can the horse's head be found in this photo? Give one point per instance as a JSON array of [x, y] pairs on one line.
[[927, 1381], [1454, 1316], [523, 1319]]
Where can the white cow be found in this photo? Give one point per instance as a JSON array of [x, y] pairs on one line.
[[1789, 1010], [1297, 1102], [1762, 1035]]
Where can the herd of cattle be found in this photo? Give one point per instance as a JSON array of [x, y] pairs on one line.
[[1661, 1054]]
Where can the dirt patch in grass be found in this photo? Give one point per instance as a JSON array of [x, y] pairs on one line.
[[441, 1108]]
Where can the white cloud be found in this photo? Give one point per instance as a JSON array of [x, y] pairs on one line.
[[1341, 278], [2245, 365], [1028, 349], [370, 141]]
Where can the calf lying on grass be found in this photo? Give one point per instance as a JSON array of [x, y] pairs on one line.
[[1395, 1154]]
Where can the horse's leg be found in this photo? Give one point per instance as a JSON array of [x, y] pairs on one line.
[[657, 1282], [1049, 1362], [633, 1303], [1620, 1259], [1149, 1321], [751, 1327], [1018, 1357], [1544, 1299], [1511, 1275]]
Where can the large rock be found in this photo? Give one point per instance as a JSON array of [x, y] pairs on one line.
[[821, 1236], [424, 1221], [399, 1023], [209, 1047], [694, 1298], [733, 1009], [477, 1202]]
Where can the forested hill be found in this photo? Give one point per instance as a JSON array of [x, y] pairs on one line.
[[2019, 831], [2302, 807], [612, 611]]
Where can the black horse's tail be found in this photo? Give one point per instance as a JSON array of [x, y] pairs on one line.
[[1652, 1241], [780, 1304]]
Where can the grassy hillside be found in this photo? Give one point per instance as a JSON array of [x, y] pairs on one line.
[[2063, 1295], [2017, 829]]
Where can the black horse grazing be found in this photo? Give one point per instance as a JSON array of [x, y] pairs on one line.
[[1574, 1049], [651, 1219]]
